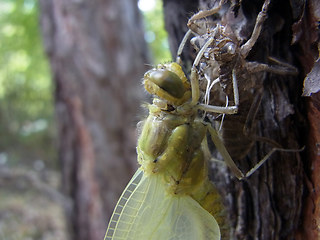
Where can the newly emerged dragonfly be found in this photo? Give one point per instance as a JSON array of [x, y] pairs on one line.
[[170, 196]]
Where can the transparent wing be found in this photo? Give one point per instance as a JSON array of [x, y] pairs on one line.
[[191, 221], [119, 220], [146, 211]]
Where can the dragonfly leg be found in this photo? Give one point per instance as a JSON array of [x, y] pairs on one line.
[[246, 48], [195, 29], [224, 153], [194, 72], [226, 109], [231, 164], [202, 14], [267, 156], [181, 46], [281, 69]]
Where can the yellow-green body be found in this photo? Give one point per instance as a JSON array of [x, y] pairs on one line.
[[175, 147], [170, 196]]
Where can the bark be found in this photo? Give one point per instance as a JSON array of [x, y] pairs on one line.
[[97, 55], [307, 36], [271, 203]]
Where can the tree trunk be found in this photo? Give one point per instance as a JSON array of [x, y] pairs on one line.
[[307, 36], [270, 204], [98, 55]]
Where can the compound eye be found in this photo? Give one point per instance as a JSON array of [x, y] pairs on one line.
[[226, 52], [229, 49], [167, 81]]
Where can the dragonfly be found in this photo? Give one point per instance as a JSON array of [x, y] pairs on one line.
[[170, 196]]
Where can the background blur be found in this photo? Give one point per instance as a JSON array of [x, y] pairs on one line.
[[30, 177]]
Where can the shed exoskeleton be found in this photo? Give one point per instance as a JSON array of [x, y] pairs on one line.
[[233, 85]]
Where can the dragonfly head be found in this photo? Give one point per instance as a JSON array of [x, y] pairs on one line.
[[225, 51], [168, 82]]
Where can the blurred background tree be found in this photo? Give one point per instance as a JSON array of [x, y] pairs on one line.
[[29, 166], [27, 130], [27, 123]]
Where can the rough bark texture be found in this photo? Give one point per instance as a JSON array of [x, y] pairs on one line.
[[269, 204], [307, 36], [98, 55]]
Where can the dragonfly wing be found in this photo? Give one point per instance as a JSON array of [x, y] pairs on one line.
[[191, 221], [146, 211], [120, 222]]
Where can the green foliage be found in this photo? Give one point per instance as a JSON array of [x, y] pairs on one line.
[[156, 34], [26, 109]]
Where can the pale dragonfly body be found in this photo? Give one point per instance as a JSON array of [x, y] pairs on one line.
[[170, 196]]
